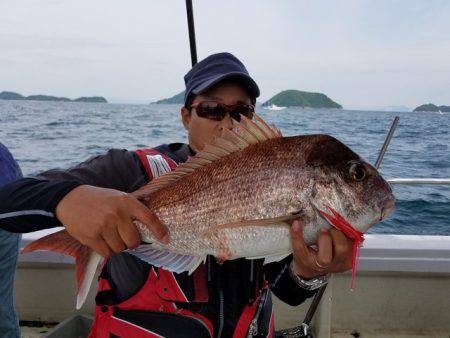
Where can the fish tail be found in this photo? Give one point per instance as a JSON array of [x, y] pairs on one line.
[[86, 260]]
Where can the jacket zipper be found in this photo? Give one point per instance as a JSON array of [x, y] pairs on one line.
[[201, 322], [221, 315], [253, 329]]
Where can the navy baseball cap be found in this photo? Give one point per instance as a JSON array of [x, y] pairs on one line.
[[214, 69]]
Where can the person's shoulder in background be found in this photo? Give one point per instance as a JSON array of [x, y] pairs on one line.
[[9, 169]]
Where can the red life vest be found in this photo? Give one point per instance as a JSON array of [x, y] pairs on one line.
[[153, 310]]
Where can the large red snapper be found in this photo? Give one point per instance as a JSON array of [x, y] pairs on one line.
[[237, 196]]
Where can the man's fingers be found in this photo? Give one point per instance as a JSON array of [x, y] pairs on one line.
[[341, 243], [305, 258], [146, 216], [129, 234], [100, 246], [113, 239], [342, 248], [325, 252], [298, 244]]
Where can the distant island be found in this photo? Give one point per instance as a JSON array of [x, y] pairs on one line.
[[286, 98], [297, 98], [432, 107], [176, 99], [16, 96]]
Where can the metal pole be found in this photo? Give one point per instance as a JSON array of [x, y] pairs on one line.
[[190, 19], [386, 142], [314, 304]]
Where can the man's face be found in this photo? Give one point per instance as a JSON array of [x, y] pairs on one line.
[[202, 131]]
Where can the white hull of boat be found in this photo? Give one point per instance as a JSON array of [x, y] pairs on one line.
[[402, 290]]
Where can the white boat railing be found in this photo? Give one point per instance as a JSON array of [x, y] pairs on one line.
[[443, 181]]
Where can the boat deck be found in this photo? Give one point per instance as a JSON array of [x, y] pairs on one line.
[[37, 332], [33, 332], [390, 335]]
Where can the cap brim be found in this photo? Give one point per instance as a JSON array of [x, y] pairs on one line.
[[240, 77]]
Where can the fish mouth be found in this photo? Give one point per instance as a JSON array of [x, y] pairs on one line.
[[387, 209]]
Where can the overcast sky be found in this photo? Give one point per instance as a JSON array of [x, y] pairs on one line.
[[362, 54]]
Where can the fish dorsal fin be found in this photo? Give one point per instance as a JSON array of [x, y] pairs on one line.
[[244, 133]]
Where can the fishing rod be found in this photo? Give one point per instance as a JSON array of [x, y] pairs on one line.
[[386, 142], [406, 181], [190, 20], [303, 331]]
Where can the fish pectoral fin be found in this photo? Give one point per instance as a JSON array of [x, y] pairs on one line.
[[271, 258], [275, 258], [281, 221], [167, 260]]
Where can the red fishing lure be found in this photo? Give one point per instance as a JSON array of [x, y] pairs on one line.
[[356, 236]]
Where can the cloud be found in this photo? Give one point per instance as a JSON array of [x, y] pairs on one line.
[[362, 53]]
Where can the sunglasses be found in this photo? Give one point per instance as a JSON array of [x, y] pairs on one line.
[[217, 111]]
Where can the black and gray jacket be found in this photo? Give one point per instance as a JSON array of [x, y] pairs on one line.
[[29, 204]]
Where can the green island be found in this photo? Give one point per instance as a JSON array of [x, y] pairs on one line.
[[297, 98], [16, 96], [286, 98], [176, 99], [433, 108]]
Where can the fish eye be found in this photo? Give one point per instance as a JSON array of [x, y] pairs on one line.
[[357, 171]]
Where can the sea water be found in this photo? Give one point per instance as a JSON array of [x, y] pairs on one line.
[[46, 135]]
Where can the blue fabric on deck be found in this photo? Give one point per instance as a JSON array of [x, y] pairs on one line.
[[9, 247]]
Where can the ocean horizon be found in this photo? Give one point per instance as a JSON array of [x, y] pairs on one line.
[[46, 135]]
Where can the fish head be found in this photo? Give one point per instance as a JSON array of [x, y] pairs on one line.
[[346, 184]]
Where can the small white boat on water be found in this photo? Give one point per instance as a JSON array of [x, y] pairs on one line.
[[274, 107]]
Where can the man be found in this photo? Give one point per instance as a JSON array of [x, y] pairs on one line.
[[136, 299], [9, 247]]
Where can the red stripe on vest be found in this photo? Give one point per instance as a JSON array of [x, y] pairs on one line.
[[271, 325], [200, 287], [142, 153], [245, 320], [247, 316]]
